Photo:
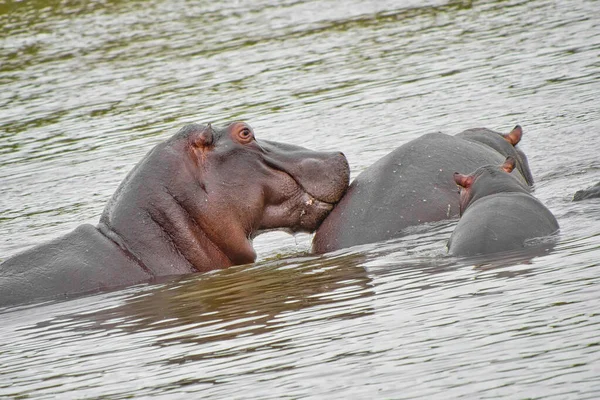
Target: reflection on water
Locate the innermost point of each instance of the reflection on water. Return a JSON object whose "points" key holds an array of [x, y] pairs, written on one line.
{"points": [[207, 318], [89, 87], [249, 301]]}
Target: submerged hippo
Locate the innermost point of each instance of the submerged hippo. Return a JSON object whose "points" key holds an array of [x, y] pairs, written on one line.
{"points": [[589, 193], [413, 185], [498, 213], [193, 203]]}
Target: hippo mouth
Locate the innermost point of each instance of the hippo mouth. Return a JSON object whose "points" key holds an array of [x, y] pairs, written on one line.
{"points": [[313, 201], [306, 211]]}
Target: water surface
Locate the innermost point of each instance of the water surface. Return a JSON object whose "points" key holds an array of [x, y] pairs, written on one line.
{"points": [[89, 88]]}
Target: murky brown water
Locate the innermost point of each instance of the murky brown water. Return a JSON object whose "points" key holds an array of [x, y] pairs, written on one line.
{"points": [[87, 88]]}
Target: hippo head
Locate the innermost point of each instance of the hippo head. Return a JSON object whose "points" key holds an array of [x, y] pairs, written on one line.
{"points": [[487, 180], [211, 191], [505, 144], [268, 185]]}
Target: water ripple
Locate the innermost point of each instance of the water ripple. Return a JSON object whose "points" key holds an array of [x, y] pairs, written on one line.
{"points": [[89, 88]]}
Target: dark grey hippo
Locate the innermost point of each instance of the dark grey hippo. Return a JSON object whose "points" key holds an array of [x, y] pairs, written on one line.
{"points": [[589, 193], [193, 203], [413, 185], [498, 213]]}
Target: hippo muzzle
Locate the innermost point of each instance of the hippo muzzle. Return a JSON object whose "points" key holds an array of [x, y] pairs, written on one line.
{"points": [[320, 179], [323, 176]]}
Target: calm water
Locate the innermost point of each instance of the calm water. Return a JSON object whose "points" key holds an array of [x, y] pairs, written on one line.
{"points": [[87, 88]]}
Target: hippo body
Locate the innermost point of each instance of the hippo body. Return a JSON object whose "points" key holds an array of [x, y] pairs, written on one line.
{"points": [[498, 213], [589, 193], [81, 261], [193, 203], [413, 185]]}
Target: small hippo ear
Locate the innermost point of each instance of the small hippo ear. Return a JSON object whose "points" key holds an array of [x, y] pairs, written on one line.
{"points": [[514, 137], [463, 180], [509, 164], [204, 138]]}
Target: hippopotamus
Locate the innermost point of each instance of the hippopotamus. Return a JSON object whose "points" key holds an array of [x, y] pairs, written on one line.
{"points": [[589, 193], [498, 213], [193, 203], [413, 185]]}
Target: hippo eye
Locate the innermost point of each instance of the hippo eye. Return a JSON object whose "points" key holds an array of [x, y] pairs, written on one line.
{"points": [[245, 135]]}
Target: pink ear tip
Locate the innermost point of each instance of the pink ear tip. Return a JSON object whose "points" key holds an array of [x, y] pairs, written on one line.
{"points": [[509, 164], [460, 179], [514, 137]]}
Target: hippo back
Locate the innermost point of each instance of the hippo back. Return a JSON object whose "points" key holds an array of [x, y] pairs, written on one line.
{"points": [[81, 261], [501, 222], [501, 144], [589, 193], [410, 186]]}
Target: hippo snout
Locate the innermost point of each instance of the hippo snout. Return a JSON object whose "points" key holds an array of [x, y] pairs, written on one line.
{"points": [[322, 175], [325, 178]]}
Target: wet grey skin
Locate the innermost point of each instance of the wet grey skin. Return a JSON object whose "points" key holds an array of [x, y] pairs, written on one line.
{"points": [[590, 193], [413, 185], [193, 203], [498, 213]]}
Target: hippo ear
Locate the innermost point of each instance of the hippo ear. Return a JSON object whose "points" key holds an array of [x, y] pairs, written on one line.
{"points": [[463, 180], [509, 164], [514, 137], [205, 137]]}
